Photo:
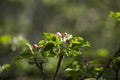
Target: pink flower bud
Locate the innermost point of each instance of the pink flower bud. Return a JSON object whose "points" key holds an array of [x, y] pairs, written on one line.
{"points": [[68, 41], [58, 34], [65, 34], [35, 46]]}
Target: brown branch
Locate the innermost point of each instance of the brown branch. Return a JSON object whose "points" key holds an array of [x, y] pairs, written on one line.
{"points": [[116, 70], [108, 64], [40, 67], [58, 66]]}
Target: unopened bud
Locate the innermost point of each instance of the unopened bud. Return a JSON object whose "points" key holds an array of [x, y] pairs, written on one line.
{"points": [[58, 34], [68, 41], [35, 46], [65, 34]]}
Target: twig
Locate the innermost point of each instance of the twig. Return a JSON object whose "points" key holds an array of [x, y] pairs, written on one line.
{"points": [[0, 78], [116, 73], [108, 64], [58, 66], [40, 67]]}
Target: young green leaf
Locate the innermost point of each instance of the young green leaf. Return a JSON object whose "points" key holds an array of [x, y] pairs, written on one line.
{"points": [[51, 37], [78, 42], [4, 67], [30, 47], [49, 46], [41, 43], [24, 55]]}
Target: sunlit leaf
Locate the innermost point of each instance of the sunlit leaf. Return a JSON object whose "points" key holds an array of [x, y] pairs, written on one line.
{"points": [[5, 66], [41, 43], [51, 37], [68, 69], [30, 47], [98, 68], [115, 15], [72, 52], [5, 39], [96, 62], [78, 42], [102, 53]]}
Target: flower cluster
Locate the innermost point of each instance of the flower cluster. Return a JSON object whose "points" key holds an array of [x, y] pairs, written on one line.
{"points": [[59, 43], [65, 37]]}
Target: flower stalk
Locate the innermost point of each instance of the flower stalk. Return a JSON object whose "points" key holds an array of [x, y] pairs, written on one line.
{"points": [[40, 67], [58, 66]]}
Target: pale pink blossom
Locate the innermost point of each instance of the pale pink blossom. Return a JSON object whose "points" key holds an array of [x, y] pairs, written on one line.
{"points": [[58, 34], [35, 46]]}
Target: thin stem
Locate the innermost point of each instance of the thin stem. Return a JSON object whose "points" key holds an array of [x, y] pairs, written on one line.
{"points": [[58, 66], [40, 67], [0, 78], [116, 73], [108, 64]]}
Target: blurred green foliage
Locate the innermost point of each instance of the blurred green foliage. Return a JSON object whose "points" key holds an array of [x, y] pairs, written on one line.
{"points": [[4, 67], [115, 15]]}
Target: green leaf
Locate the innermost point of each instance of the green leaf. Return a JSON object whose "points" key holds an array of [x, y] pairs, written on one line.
{"points": [[40, 55], [115, 15], [75, 66], [116, 62], [49, 46], [48, 36], [97, 62], [50, 53], [5, 39], [102, 52], [51, 37], [41, 43], [5, 66], [56, 49], [68, 69], [72, 52], [78, 42], [24, 55], [98, 68], [30, 47], [73, 69], [118, 58]]}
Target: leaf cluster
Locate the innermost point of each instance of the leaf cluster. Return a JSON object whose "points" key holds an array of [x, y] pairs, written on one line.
{"points": [[53, 45]]}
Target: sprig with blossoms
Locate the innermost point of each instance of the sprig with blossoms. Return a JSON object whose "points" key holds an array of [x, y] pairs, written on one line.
{"points": [[58, 45]]}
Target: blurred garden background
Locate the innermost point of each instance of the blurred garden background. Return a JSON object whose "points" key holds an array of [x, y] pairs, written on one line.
{"points": [[24, 21]]}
